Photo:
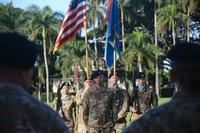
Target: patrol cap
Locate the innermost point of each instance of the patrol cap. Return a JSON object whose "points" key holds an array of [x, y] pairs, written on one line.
{"points": [[140, 75], [17, 51], [65, 84], [97, 73], [184, 53], [90, 77], [112, 73]]}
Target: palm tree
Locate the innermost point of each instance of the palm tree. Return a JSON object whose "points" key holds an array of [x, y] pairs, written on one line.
{"points": [[188, 7], [71, 54], [139, 49], [41, 24], [9, 18], [169, 17], [95, 14]]}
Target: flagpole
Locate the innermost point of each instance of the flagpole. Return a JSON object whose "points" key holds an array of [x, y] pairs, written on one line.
{"points": [[86, 51], [114, 66]]}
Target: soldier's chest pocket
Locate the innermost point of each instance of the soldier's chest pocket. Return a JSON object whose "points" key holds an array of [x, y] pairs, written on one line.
{"points": [[98, 99], [103, 99]]}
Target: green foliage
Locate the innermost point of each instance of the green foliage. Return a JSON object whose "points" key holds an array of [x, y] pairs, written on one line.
{"points": [[138, 26], [139, 49], [73, 51]]}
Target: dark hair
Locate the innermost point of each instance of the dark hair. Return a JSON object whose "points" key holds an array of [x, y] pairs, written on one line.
{"points": [[140, 75], [59, 101], [112, 74], [97, 73], [17, 51], [90, 77]]}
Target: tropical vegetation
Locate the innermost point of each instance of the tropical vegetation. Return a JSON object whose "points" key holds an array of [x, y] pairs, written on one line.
{"points": [[149, 28]]}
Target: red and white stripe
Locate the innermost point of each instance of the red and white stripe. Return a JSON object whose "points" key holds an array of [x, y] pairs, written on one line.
{"points": [[72, 22], [108, 10]]}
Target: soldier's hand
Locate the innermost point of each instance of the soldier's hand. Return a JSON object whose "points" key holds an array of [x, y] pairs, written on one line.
{"points": [[76, 126], [86, 84]]}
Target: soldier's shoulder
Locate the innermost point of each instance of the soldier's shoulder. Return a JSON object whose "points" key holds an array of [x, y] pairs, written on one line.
{"points": [[45, 114]]}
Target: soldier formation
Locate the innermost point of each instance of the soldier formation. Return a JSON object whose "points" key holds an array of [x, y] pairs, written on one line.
{"points": [[97, 108], [102, 108]]}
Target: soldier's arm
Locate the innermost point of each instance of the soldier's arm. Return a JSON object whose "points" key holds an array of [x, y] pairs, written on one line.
{"points": [[132, 102], [85, 104], [55, 104], [110, 106], [125, 105], [74, 109], [154, 99], [78, 98]]}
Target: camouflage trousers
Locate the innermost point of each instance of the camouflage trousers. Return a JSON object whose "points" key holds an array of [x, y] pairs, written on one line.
{"points": [[118, 127], [135, 116]]}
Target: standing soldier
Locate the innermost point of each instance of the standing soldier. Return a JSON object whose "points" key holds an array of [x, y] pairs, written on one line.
{"points": [[65, 105], [80, 125], [119, 104], [97, 107], [143, 97]]}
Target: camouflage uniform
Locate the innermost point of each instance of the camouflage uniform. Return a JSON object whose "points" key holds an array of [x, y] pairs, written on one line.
{"points": [[79, 112], [96, 110], [21, 113], [180, 115], [120, 108], [67, 109], [143, 102]]}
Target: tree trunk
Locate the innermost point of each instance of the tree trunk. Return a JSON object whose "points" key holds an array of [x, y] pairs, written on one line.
{"points": [[173, 33], [39, 91], [46, 64], [187, 26], [156, 44], [139, 63], [76, 75], [95, 41], [122, 21], [95, 48]]}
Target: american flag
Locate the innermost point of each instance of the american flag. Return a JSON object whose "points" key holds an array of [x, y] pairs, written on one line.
{"points": [[73, 21], [108, 11]]}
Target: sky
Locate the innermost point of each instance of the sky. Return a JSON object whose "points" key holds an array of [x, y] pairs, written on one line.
{"points": [[56, 5]]}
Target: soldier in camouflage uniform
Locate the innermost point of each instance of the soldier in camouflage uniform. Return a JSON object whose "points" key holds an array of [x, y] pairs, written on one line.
{"points": [[80, 125], [144, 97], [182, 113], [65, 105], [97, 107], [119, 103], [20, 112]]}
